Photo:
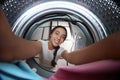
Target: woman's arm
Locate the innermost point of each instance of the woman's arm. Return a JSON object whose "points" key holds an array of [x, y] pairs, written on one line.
{"points": [[13, 47], [108, 48]]}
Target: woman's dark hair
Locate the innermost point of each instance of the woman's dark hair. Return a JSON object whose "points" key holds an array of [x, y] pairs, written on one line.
{"points": [[53, 62], [56, 28]]}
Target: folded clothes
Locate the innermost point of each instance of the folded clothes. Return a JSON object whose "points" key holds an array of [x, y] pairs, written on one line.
{"points": [[17, 71], [100, 70]]}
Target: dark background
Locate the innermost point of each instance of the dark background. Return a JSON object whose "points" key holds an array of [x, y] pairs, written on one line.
{"points": [[117, 2]]}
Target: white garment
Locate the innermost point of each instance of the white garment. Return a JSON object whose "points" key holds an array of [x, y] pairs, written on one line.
{"points": [[47, 55]]}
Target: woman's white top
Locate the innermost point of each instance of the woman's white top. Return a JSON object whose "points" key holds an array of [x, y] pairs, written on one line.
{"points": [[47, 55]]}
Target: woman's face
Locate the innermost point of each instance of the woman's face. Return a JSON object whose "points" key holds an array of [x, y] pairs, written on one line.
{"points": [[57, 36]]}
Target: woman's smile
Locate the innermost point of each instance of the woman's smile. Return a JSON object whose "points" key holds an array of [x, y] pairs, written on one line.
{"points": [[57, 42]]}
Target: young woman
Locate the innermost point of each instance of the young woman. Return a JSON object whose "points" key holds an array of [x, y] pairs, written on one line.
{"points": [[51, 50]]}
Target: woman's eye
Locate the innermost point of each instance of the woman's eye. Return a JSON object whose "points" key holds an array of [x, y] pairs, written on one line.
{"points": [[63, 37], [56, 33]]}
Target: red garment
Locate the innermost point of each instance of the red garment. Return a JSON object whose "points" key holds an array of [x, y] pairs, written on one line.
{"points": [[100, 70]]}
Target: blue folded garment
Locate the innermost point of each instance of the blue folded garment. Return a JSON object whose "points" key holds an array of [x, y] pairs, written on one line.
{"points": [[17, 71]]}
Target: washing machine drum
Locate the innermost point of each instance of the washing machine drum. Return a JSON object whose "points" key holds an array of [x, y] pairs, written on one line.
{"points": [[87, 21]]}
